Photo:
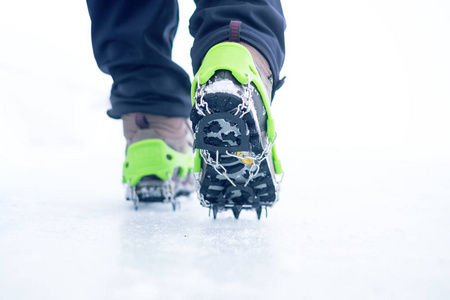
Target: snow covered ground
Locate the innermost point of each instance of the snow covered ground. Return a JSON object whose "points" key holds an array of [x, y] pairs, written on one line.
{"points": [[363, 125]]}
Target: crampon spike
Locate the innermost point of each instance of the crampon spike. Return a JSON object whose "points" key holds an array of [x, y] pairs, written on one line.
{"points": [[236, 211], [215, 210], [128, 192], [258, 212], [136, 202]]}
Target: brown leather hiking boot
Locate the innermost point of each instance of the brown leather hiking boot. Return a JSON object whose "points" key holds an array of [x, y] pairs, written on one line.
{"points": [[158, 164]]}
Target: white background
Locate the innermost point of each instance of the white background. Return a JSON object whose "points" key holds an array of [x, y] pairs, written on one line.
{"points": [[363, 133]]}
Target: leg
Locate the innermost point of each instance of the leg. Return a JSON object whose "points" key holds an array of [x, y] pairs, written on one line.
{"points": [[263, 26], [132, 41]]}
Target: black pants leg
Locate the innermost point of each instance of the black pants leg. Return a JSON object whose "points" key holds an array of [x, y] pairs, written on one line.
{"points": [[263, 26], [132, 41]]}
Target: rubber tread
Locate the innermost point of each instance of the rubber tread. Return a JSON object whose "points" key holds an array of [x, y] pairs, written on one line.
{"points": [[218, 104]]}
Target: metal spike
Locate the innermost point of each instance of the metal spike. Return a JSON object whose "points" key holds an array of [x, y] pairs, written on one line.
{"points": [[237, 211], [266, 211], [258, 212], [136, 202], [215, 210], [135, 198], [128, 192]]}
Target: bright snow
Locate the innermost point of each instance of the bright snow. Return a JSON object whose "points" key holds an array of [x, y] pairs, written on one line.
{"points": [[363, 125]]}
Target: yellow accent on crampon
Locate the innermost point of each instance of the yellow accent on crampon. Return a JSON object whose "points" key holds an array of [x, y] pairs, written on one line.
{"points": [[246, 161]]}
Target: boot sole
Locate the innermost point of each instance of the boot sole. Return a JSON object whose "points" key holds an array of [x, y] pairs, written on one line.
{"points": [[221, 132]]}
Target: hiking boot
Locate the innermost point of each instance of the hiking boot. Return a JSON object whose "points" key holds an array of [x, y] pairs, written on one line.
{"points": [[236, 162], [158, 163]]}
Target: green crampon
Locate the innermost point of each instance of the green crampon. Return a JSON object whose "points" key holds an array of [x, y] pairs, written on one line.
{"points": [[237, 59], [154, 157]]}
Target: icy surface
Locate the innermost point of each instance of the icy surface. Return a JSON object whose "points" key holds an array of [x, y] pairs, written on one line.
{"points": [[362, 131]]}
